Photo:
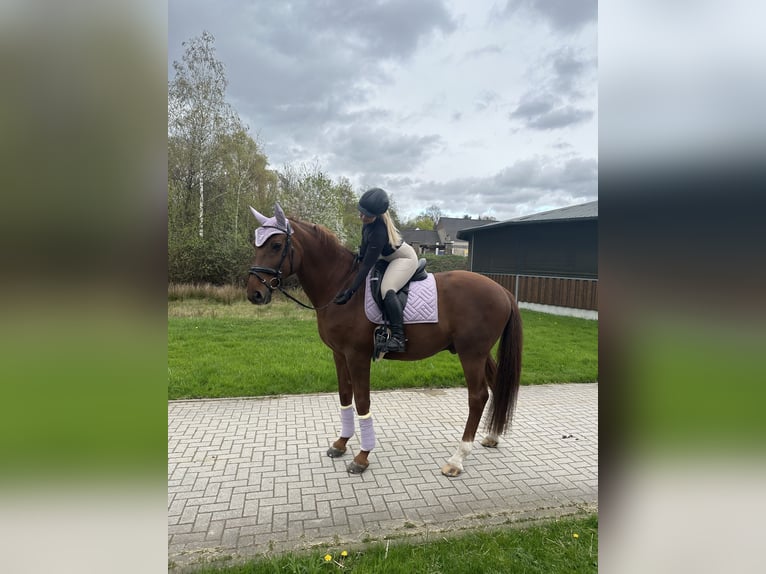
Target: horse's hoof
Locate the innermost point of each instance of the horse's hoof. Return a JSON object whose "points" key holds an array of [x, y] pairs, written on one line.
{"points": [[489, 442], [356, 468], [451, 470], [333, 452]]}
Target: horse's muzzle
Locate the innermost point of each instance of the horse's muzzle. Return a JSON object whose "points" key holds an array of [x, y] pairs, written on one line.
{"points": [[258, 298]]}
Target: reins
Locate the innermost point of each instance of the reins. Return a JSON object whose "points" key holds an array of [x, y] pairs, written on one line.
{"points": [[275, 283]]}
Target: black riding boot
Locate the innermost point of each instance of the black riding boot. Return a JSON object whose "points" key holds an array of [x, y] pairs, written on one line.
{"points": [[393, 307]]}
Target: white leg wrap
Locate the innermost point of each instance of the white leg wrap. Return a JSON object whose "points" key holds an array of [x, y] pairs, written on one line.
{"points": [[347, 421], [463, 450], [367, 432]]}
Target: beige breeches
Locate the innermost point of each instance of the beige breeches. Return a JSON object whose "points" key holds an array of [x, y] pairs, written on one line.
{"points": [[402, 263]]}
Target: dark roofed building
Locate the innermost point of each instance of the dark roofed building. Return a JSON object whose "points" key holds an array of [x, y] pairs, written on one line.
{"points": [[549, 258], [448, 228], [422, 240], [582, 211]]}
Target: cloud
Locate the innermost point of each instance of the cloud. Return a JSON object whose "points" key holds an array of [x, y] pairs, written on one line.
{"points": [[483, 51], [339, 31], [534, 105], [306, 62], [486, 99], [533, 185], [559, 118], [563, 15], [386, 29], [379, 150], [578, 175], [545, 112], [414, 97], [524, 187], [552, 104], [570, 70]]}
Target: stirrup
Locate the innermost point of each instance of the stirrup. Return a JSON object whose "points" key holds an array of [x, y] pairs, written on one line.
{"points": [[380, 340], [396, 345]]}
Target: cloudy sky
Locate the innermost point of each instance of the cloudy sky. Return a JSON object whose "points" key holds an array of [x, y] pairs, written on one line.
{"points": [[480, 108]]}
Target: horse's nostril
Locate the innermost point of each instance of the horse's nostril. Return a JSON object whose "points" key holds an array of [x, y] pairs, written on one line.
{"points": [[256, 298]]}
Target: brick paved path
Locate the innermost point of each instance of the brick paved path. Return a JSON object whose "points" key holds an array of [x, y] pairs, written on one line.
{"points": [[247, 476]]}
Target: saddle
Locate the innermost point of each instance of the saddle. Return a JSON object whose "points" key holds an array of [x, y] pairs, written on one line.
{"points": [[381, 335], [376, 276]]}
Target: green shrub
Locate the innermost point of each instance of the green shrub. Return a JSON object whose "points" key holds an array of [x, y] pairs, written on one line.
{"points": [[201, 260], [437, 263]]}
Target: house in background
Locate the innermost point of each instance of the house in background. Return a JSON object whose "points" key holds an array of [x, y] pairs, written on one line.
{"points": [[423, 240], [448, 228], [548, 258], [443, 240]]}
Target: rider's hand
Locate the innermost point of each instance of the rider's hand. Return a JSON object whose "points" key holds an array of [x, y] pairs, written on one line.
{"points": [[343, 297]]}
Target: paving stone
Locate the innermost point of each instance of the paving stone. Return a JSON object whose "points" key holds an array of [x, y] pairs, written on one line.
{"points": [[248, 476]]}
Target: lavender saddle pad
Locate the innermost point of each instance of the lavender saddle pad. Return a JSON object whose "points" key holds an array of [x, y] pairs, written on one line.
{"points": [[422, 305]]}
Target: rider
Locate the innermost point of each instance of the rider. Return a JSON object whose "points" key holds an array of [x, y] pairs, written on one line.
{"points": [[381, 240]]}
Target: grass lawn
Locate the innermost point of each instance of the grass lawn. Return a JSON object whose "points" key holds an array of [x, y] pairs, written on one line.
{"points": [[231, 349], [566, 545], [238, 349]]}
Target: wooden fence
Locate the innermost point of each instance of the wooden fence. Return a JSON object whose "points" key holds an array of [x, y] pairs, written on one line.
{"points": [[558, 291]]}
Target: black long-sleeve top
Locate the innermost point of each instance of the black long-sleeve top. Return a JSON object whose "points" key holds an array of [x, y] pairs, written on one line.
{"points": [[374, 244]]}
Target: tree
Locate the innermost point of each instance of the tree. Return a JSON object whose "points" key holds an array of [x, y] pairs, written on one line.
{"points": [[308, 193], [393, 210], [246, 181], [433, 212], [215, 170], [420, 222], [199, 119]]}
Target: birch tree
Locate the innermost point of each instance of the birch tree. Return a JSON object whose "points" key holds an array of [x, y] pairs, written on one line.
{"points": [[199, 118]]}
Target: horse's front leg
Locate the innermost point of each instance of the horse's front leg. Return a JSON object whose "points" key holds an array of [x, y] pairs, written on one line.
{"points": [[359, 371], [346, 395]]}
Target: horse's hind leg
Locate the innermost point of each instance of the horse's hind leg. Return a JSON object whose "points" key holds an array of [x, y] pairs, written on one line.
{"points": [[491, 440], [474, 369]]}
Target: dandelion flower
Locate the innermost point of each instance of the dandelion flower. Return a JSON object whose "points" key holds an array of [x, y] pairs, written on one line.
{"points": [[344, 553], [327, 557], [575, 535]]}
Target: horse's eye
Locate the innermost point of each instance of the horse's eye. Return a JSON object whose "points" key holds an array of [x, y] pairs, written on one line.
{"points": [[276, 246]]}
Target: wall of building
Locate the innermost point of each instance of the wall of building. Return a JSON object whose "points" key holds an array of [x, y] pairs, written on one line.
{"points": [[558, 249], [548, 263]]}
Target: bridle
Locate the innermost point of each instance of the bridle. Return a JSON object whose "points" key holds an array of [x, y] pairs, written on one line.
{"points": [[275, 283]]}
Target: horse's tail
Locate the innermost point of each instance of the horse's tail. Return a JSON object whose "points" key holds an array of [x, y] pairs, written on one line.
{"points": [[507, 373]]}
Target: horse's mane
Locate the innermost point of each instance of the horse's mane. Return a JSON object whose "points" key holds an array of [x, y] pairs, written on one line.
{"points": [[326, 239]]}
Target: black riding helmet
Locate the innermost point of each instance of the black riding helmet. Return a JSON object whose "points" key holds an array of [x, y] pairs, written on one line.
{"points": [[373, 202]]}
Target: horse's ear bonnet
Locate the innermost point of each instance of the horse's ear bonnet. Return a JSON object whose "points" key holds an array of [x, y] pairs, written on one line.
{"points": [[373, 202], [271, 225], [281, 219]]}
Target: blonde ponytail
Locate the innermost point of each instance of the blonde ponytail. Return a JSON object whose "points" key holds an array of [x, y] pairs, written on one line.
{"points": [[394, 237]]}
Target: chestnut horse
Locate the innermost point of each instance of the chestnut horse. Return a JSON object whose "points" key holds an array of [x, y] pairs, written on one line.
{"points": [[474, 312]]}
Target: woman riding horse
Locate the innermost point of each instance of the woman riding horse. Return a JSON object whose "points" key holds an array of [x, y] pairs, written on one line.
{"points": [[474, 313], [381, 240]]}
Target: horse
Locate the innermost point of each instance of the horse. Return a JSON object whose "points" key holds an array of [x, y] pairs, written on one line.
{"points": [[473, 313]]}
